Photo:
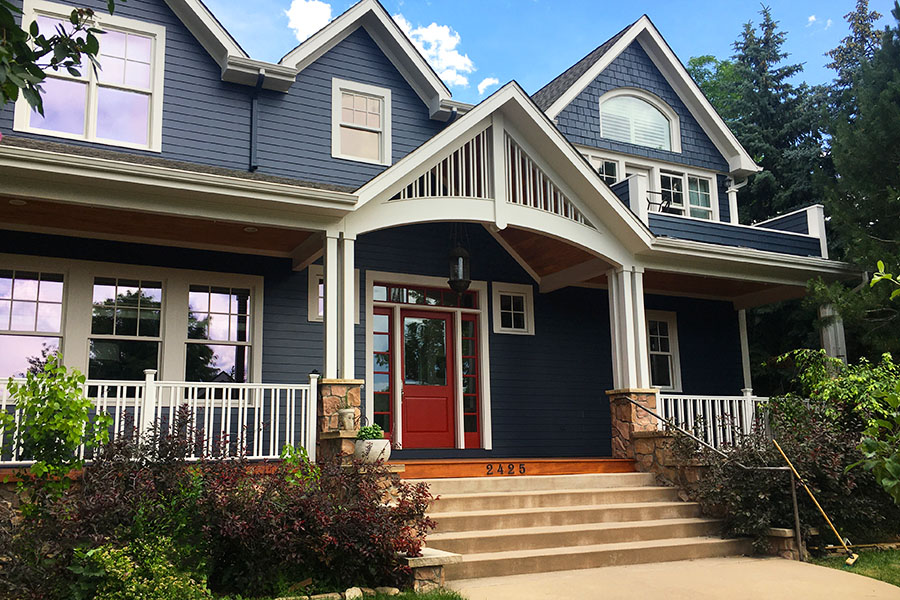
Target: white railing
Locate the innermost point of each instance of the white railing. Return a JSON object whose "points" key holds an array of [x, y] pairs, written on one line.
{"points": [[253, 419], [717, 420]]}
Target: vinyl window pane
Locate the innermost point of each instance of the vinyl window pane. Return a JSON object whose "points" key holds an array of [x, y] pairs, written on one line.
{"points": [[217, 363], [64, 106], [24, 353], [123, 116], [121, 359], [360, 143]]}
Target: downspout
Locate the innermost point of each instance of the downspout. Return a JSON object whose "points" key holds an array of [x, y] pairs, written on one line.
{"points": [[254, 122]]}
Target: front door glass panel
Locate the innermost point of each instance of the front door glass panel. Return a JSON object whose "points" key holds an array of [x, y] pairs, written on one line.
{"points": [[425, 351]]}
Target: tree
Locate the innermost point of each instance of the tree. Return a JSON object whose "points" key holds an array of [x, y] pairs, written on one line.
{"points": [[779, 124], [719, 81], [26, 55], [854, 50]]}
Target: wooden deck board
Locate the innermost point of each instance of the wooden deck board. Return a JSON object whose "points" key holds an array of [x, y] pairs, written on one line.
{"points": [[499, 467]]}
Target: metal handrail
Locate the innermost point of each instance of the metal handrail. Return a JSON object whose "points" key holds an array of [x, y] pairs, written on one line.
{"points": [[672, 425]]}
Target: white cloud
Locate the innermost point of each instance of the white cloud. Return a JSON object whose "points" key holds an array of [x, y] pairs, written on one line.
{"points": [[828, 23], [438, 44], [486, 83], [810, 20], [306, 17]]}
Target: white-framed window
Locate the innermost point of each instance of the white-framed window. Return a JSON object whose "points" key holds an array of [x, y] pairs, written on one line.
{"points": [[662, 345], [676, 186], [360, 122], [315, 297], [219, 334], [121, 103], [608, 170], [638, 117], [31, 319], [513, 308]]}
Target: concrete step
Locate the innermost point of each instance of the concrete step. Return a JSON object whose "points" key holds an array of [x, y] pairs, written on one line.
{"points": [[546, 498], [563, 515], [526, 483], [496, 564], [586, 534]]}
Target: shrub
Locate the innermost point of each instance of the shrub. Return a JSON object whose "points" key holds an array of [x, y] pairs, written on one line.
{"points": [[881, 447], [370, 432]]}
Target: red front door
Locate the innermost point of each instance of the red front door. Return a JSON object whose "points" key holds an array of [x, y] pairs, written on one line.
{"points": [[428, 391]]}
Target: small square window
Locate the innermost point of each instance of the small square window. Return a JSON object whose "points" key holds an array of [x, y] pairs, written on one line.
{"points": [[513, 308], [316, 293], [361, 122]]}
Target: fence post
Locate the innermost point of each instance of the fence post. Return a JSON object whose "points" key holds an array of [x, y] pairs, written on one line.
{"points": [[312, 416], [148, 405]]}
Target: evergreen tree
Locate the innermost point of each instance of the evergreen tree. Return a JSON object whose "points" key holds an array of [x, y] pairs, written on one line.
{"points": [[854, 50], [718, 79]]}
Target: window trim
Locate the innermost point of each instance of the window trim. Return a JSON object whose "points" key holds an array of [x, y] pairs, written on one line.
{"points": [[78, 278], [343, 85], [656, 102], [516, 289], [22, 119], [313, 274], [671, 319]]}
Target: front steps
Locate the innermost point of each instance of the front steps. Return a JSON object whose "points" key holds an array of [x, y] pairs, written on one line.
{"points": [[527, 524]]}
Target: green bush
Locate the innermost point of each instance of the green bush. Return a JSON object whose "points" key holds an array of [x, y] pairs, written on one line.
{"points": [[819, 429], [881, 447], [370, 432]]}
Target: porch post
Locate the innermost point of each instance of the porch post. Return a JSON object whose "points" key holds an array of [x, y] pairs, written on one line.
{"points": [[745, 352], [628, 326], [347, 308], [331, 313], [832, 333]]}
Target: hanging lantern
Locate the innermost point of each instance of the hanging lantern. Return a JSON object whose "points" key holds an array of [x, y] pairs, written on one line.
{"points": [[459, 269]]}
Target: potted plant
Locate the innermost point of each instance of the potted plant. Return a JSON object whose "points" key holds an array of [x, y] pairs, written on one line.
{"points": [[371, 445], [346, 414]]}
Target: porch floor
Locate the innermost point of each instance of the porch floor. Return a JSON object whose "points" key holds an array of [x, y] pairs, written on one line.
{"points": [[500, 467]]}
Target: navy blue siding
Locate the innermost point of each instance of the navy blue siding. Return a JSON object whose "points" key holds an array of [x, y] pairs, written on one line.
{"points": [[621, 191], [730, 235], [205, 120], [295, 129], [796, 222], [724, 208], [547, 390], [708, 344], [580, 120], [292, 347]]}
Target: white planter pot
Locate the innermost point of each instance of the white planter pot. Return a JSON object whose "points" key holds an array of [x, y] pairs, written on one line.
{"points": [[371, 451]]}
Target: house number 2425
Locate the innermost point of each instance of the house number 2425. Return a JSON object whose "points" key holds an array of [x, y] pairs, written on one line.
{"points": [[504, 469]]}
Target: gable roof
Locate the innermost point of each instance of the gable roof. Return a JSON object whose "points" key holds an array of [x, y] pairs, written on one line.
{"points": [[399, 49], [560, 92]]}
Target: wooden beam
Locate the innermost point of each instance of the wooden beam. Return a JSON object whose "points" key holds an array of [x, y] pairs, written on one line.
{"points": [[573, 275], [495, 233], [308, 252]]}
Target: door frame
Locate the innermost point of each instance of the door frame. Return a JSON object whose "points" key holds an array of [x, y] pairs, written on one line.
{"points": [[483, 312]]}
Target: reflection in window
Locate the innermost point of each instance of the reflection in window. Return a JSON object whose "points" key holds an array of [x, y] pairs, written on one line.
{"points": [[125, 328], [470, 380], [218, 348], [382, 381], [662, 357], [425, 351], [30, 320]]}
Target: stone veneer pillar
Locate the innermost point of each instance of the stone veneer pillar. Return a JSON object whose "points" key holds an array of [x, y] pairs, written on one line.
{"points": [[332, 393], [628, 418]]}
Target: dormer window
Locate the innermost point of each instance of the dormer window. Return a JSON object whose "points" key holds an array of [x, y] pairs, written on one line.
{"points": [[120, 103], [637, 117], [361, 122]]}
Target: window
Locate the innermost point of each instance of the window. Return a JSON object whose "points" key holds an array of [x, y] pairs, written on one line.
{"points": [[662, 344], [383, 351], [218, 346], [672, 188], [513, 308], [126, 328], [31, 307], [628, 118], [119, 104], [361, 122], [700, 204], [470, 362], [699, 198], [315, 298], [608, 170]]}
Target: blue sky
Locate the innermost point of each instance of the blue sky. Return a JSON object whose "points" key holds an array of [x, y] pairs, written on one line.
{"points": [[474, 41]]}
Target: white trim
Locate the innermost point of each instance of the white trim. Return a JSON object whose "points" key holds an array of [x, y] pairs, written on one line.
{"points": [[22, 119], [671, 319], [653, 100], [481, 287], [313, 274], [77, 300], [390, 39], [338, 86], [643, 30], [745, 349], [526, 291]]}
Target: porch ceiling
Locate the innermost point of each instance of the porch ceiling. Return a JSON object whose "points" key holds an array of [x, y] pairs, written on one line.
{"points": [[43, 216], [544, 255]]}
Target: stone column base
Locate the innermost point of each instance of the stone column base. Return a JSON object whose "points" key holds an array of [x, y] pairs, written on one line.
{"points": [[628, 418], [333, 393]]}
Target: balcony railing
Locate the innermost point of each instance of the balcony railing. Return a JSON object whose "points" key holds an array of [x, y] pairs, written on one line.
{"points": [[255, 420], [718, 420]]}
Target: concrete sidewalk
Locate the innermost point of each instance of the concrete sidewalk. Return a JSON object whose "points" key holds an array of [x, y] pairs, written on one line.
{"points": [[727, 578]]}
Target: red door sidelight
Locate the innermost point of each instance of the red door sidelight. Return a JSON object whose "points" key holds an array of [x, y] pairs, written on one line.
{"points": [[428, 390]]}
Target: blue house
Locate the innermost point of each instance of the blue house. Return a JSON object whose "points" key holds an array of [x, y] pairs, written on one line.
{"points": [[193, 225]]}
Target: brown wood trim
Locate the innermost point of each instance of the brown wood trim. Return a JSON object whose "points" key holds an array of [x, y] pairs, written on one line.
{"points": [[478, 467]]}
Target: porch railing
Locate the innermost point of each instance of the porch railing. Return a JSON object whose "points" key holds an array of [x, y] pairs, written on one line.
{"points": [[718, 420], [254, 419]]}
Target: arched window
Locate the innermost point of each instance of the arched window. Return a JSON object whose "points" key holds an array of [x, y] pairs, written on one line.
{"points": [[625, 117]]}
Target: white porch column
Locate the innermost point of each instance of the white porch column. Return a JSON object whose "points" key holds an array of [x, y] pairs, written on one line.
{"points": [[638, 196], [832, 334], [745, 352], [331, 314], [347, 291], [628, 327]]}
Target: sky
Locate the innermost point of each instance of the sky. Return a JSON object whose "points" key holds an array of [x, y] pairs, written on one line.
{"points": [[478, 45]]}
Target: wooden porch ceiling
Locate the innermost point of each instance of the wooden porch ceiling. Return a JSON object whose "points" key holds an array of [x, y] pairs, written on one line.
{"points": [[121, 225], [544, 256]]}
